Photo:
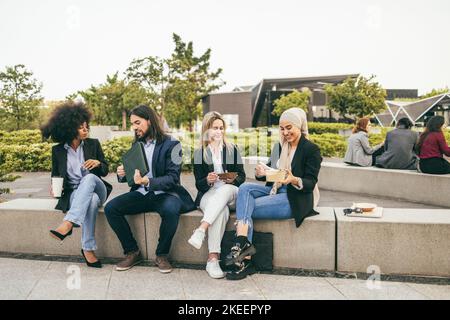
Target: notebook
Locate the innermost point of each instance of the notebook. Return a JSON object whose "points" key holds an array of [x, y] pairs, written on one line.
{"points": [[135, 159]]}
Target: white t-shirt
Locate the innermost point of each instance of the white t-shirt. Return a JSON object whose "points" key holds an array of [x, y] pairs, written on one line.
{"points": [[217, 162]]}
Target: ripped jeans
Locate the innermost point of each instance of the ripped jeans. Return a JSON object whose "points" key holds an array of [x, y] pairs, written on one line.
{"points": [[255, 202]]}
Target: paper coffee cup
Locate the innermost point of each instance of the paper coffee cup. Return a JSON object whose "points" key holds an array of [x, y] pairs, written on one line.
{"points": [[57, 186]]}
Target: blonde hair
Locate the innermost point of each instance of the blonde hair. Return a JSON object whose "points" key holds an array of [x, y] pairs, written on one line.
{"points": [[207, 123]]}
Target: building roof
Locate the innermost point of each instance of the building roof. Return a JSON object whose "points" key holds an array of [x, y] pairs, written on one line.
{"points": [[385, 119], [413, 110], [417, 109], [243, 88], [280, 84]]}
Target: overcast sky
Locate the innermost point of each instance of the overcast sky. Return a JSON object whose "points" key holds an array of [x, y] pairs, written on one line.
{"points": [[70, 45]]}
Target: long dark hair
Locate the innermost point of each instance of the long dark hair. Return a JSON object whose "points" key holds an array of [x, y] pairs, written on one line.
{"points": [[433, 125], [155, 130], [65, 121]]}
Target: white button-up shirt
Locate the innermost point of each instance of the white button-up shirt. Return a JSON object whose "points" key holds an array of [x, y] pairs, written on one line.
{"points": [[149, 149]]}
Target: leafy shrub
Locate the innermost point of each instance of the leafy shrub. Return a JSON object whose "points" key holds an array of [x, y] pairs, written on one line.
{"points": [[23, 158], [20, 137]]}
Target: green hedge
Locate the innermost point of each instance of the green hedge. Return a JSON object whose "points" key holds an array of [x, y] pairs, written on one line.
{"points": [[321, 128], [114, 150], [331, 145], [19, 150], [32, 157], [21, 137]]}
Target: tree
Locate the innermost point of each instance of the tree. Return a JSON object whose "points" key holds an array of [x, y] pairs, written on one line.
{"points": [[152, 74], [177, 84], [434, 92], [356, 96], [191, 79], [295, 99], [19, 96], [112, 100]]}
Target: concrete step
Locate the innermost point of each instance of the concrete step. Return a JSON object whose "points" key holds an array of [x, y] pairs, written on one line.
{"points": [[24, 225], [403, 242], [400, 184], [311, 247]]}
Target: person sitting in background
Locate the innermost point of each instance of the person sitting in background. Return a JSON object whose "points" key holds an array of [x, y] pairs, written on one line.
{"points": [[432, 146], [359, 152], [399, 147]]}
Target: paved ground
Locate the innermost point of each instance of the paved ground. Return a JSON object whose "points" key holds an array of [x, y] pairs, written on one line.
{"points": [[31, 279]]}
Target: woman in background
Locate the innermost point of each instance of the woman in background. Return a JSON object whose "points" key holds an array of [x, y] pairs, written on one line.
{"points": [[432, 146], [359, 152]]}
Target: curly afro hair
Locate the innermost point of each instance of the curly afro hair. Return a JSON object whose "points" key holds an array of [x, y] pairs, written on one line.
{"points": [[64, 122]]}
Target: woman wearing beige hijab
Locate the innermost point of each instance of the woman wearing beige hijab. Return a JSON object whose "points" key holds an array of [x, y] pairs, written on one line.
{"points": [[294, 197]]}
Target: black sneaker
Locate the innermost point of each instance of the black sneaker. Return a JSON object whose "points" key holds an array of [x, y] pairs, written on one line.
{"points": [[239, 252], [246, 268]]}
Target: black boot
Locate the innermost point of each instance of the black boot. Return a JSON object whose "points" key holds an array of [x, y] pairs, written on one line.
{"points": [[239, 251], [245, 269]]}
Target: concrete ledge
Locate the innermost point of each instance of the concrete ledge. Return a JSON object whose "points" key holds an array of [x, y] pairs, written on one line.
{"points": [[403, 242], [25, 224], [312, 246], [400, 184]]}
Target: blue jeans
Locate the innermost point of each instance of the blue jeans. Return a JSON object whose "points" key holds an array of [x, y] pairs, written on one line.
{"points": [[255, 202], [84, 203]]}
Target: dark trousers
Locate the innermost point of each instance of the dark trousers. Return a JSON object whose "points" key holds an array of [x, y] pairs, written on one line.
{"points": [[168, 207], [434, 166], [376, 154]]}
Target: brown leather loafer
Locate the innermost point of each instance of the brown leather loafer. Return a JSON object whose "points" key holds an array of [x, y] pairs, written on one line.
{"points": [[132, 259], [163, 264]]}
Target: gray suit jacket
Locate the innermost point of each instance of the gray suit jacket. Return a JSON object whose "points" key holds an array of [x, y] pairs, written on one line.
{"points": [[359, 151], [399, 150]]}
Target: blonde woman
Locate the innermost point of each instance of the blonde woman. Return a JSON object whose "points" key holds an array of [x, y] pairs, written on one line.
{"points": [[295, 197], [215, 196]]}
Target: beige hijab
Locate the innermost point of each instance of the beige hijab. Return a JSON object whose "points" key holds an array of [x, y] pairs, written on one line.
{"points": [[296, 117]]}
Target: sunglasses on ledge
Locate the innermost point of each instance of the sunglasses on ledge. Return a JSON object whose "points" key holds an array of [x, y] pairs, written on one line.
{"points": [[351, 210]]}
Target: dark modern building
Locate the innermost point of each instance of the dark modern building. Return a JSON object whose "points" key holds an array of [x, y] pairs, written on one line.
{"points": [[252, 106]]}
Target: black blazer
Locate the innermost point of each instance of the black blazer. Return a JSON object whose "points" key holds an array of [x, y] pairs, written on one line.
{"points": [[166, 169], [92, 150], [231, 162], [305, 165]]}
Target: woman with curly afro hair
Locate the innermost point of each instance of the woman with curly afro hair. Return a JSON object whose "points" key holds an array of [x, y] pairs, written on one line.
{"points": [[79, 160]]}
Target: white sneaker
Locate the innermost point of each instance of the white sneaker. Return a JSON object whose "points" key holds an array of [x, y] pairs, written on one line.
{"points": [[214, 270], [197, 238]]}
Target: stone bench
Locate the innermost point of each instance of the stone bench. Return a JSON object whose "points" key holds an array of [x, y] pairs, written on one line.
{"points": [[24, 225], [399, 184], [402, 242]]}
